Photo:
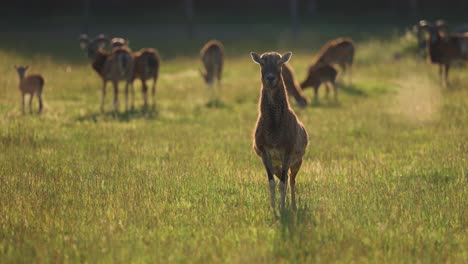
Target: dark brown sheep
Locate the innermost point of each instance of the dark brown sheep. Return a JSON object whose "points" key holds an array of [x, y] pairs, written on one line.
{"points": [[339, 51], [443, 48], [280, 139], [113, 66], [321, 74]]}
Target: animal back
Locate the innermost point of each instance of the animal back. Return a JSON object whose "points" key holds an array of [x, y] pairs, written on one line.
{"points": [[340, 51], [212, 55], [146, 64], [119, 65]]}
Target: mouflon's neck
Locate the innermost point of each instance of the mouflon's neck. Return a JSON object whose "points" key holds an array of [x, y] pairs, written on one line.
{"points": [[21, 75], [274, 97]]}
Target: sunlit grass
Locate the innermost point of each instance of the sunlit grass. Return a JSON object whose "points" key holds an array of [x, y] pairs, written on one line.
{"points": [[384, 178]]}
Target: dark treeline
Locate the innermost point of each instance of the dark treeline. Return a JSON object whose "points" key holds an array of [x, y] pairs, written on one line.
{"points": [[305, 7]]}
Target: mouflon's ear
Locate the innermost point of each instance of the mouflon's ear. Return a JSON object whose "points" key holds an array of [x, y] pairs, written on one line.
{"points": [[285, 58], [256, 58]]}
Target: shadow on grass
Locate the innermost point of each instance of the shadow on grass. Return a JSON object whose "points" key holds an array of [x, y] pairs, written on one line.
{"points": [[289, 217], [455, 84], [292, 225], [324, 103], [144, 113], [216, 103], [352, 89]]}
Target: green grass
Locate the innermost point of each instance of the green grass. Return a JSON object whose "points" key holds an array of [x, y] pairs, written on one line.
{"points": [[384, 178]]}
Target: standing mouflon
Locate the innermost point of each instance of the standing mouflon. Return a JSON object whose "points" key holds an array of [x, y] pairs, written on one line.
{"points": [[212, 56], [114, 66], [280, 139], [31, 84]]}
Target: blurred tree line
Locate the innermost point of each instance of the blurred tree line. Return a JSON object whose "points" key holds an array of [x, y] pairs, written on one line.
{"points": [[303, 7]]}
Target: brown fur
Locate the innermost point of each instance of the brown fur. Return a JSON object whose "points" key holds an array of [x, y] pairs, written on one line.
{"points": [[146, 66], [339, 51], [443, 48], [212, 56], [31, 84], [280, 139], [318, 75], [292, 86], [114, 66]]}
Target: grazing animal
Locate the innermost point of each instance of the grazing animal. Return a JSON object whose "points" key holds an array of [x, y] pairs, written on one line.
{"points": [[319, 74], [280, 139], [30, 84], [114, 66], [146, 66], [212, 56], [292, 86], [339, 51], [443, 48]]}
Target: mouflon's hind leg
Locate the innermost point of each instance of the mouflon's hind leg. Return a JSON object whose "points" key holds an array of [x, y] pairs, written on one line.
{"points": [[116, 95], [447, 68], [335, 90], [39, 96], [22, 101], [153, 93], [284, 179], [103, 99], [271, 180], [292, 182], [30, 102], [327, 87]]}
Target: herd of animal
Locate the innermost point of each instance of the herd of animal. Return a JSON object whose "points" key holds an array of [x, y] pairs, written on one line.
{"points": [[114, 61], [121, 64], [280, 139]]}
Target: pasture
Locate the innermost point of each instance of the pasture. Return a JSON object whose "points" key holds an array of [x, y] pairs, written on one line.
{"points": [[384, 177]]}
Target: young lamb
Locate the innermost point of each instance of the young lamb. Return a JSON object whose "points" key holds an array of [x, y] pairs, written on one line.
{"points": [[30, 84], [113, 66], [319, 74], [280, 139], [292, 86], [212, 56], [339, 51], [443, 48]]}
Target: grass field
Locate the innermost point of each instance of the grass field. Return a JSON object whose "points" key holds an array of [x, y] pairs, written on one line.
{"points": [[384, 177]]}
